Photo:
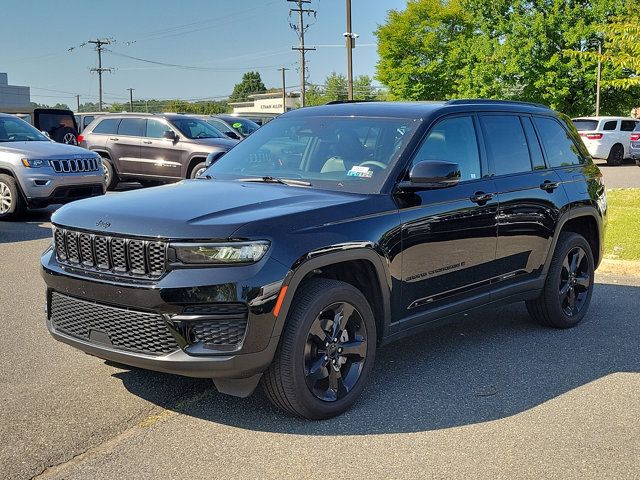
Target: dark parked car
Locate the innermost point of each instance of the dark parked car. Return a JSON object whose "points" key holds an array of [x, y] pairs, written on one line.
{"points": [[233, 127], [153, 148], [328, 232]]}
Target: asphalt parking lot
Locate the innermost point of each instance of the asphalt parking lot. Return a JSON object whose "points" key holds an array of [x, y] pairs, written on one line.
{"points": [[490, 395], [626, 175]]}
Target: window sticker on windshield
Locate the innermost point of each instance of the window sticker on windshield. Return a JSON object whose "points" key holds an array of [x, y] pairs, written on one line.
{"points": [[237, 125], [358, 171]]}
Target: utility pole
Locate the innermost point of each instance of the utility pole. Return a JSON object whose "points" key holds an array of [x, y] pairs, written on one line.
{"points": [[301, 28], [598, 78], [284, 89], [350, 36], [99, 47], [78, 102], [131, 98]]}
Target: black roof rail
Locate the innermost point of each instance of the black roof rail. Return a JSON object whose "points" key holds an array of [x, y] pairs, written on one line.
{"points": [[467, 101], [338, 102]]}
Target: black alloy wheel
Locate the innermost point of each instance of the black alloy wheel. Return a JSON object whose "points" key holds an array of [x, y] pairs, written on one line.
{"points": [[575, 280], [565, 297], [335, 351], [326, 351]]}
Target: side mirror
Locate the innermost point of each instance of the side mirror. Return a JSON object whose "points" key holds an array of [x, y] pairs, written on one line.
{"points": [[432, 174], [170, 135], [233, 135]]}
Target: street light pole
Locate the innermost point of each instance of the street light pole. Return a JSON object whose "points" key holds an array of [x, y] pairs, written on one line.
{"points": [[284, 89], [349, 35], [598, 78]]}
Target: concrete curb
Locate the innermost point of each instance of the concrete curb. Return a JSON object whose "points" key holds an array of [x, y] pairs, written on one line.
{"points": [[620, 267]]}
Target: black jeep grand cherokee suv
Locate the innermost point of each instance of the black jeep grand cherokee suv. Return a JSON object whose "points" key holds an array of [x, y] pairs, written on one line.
{"points": [[326, 233]]}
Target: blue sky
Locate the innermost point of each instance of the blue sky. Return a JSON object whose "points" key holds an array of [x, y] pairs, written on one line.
{"points": [[223, 38]]}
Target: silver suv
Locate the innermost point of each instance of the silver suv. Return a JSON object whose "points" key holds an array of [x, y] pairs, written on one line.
{"points": [[36, 172]]}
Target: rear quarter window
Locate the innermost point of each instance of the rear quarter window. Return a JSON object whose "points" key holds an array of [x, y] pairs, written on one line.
{"points": [[628, 125], [559, 146]]}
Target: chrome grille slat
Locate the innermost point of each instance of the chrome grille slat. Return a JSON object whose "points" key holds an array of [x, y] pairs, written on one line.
{"points": [[75, 165], [116, 255]]}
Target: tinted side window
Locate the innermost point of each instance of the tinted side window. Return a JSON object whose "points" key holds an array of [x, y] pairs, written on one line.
{"points": [[558, 144], [107, 126], [87, 120], [611, 125], [627, 125], [155, 129], [537, 159], [132, 126], [506, 144], [453, 140]]}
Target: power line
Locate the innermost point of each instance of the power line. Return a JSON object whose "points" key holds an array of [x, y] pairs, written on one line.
{"points": [[300, 29]]}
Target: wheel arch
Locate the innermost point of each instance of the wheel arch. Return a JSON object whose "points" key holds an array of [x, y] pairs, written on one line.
{"points": [[12, 174], [584, 221], [195, 159], [361, 267]]}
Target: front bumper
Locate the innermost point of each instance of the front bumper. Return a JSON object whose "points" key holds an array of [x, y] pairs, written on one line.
{"points": [[257, 286], [43, 186]]}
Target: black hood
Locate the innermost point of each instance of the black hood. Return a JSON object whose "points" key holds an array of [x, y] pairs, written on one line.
{"points": [[202, 209]]}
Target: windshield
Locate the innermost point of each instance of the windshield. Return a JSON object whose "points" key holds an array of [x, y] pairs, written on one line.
{"points": [[244, 126], [585, 125], [352, 154], [12, 129], [195, 128]]}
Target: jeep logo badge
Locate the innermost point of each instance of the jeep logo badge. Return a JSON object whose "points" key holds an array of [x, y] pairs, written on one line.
{"points": [[103, 224]]}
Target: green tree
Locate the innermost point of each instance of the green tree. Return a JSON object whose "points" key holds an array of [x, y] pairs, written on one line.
{"points": [[363, 88], [621, 49], [251, 83], [435, 50]]}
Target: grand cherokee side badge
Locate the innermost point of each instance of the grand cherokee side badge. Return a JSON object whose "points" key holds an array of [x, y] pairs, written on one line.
{"points": [[103, 224]]}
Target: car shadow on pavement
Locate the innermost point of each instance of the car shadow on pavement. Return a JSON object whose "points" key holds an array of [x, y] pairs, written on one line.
{"points": [[32, 226], [489, 365]]}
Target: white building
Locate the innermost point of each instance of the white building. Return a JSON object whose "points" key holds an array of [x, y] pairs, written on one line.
{"points": [[13, 98], [267, 105]]}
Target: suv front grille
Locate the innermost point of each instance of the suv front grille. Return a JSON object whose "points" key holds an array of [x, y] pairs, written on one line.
{"points": [[120, 328], [76, 165], [119, 256]]}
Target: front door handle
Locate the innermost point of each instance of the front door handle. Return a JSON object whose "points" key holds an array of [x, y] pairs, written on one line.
{"points": [[549, 186], [115, 139], [481, 198], [148, 142]]}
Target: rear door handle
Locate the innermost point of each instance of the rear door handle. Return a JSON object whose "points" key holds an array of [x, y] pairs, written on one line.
{"points": [[549, 186], [481, 197], [148, 142], [115, 139]]}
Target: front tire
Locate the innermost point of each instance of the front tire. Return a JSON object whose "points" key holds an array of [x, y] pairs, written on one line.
{"points": [[12, 205], [110, 175], [326, 351], [198, 170], [568, 288]]}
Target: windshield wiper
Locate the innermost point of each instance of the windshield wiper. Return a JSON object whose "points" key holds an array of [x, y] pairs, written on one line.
{"points": [[283, 181]]}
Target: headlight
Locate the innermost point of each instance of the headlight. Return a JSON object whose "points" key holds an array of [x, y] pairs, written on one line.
{"points": [[220, 253], [34, 163]]}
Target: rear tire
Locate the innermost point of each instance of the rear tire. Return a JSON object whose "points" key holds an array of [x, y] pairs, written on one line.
{"points": [[313, 375], [111, 177], [616, 155], [12, 205], [567, 291]]}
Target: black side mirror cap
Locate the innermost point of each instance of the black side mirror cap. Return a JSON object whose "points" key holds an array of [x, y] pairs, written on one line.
{"points": [[170, 135], [432, 174]]}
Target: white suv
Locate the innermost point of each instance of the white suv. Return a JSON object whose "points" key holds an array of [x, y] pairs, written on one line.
{"points": [[607, 137]]}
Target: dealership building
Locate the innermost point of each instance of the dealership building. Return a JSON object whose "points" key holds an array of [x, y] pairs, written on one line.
{"points": [[13, 98], [267, 105]]}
